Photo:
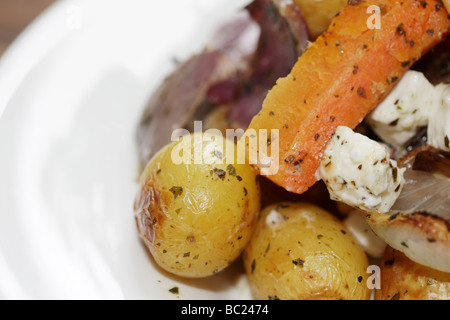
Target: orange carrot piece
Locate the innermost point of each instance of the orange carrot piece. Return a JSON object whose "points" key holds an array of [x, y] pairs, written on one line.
{"points": [[341, 77]]}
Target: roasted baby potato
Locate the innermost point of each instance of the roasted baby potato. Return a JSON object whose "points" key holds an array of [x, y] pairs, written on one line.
{"points": [[318, 14], [197, 218], [301, 252], [404, 279]]}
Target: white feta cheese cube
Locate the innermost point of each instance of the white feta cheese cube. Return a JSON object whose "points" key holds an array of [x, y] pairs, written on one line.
{"points": [[404, 111], [359, 172]]}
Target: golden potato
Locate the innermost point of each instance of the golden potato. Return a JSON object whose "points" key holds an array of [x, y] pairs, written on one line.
{"points": [[197, 218], [301, 252], [404, 279], [319, 13]]}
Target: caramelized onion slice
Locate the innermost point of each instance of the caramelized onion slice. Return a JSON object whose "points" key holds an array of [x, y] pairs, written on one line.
{"points": [[419, 223], [427, 186], [422, 237]]}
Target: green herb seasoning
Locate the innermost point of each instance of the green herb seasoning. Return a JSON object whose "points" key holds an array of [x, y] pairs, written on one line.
{"points": [[220, 173], [298, 262], [174, 290], [231, 170], [177, 191]]}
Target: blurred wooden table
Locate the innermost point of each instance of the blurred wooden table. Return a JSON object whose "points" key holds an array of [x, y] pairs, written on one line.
{"points": [[15, 15]]}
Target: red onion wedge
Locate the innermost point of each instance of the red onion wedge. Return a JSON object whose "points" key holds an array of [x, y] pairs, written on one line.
{"points": [[233, 74]]}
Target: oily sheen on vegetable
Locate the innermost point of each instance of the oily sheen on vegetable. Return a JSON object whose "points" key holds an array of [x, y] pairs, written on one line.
{"points": [[196, 219], [341, 78], [302, 252]]}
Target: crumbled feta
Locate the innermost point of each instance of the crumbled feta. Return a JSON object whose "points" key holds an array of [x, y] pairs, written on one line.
{"points": [[439, 119], [399, 117], [359, 172]]}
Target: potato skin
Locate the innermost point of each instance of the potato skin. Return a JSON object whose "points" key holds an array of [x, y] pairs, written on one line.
{"points": [[404, 279], [301, 252], [196, 218], [318, 14]]}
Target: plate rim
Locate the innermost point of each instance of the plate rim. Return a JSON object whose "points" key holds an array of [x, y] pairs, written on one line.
{"points": [[16, 62]]}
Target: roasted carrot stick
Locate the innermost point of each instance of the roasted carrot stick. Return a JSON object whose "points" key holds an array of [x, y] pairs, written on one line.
{"points": [[341, 77]]}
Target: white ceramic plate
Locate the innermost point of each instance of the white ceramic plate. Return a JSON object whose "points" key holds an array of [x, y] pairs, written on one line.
{"points": [[72, 89]]}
